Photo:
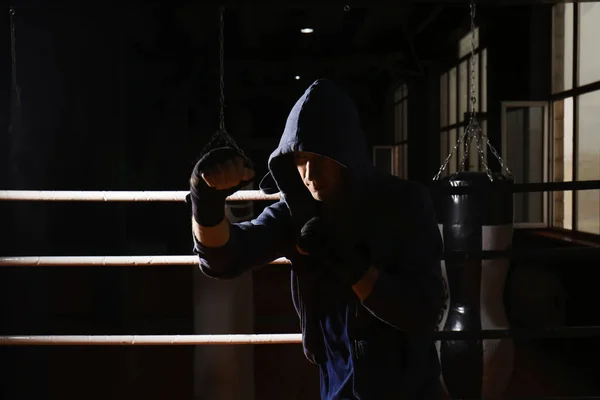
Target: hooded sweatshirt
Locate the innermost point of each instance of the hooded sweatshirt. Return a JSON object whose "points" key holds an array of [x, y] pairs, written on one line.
{"points": [[380, 347]]}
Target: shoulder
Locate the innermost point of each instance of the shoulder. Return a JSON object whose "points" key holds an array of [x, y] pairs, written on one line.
{"points": [[278, 210]]}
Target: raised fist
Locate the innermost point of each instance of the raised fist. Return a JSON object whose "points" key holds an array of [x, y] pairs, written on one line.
{"points": [[218, 174], [222, 169]]}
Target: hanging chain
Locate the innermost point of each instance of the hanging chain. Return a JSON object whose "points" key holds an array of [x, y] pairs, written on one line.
{"points": [[473, 129], [221, 68], [221, 137], [473, 99]]}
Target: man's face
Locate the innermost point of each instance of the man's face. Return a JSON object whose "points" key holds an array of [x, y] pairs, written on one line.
{"points": [[322, 176]]}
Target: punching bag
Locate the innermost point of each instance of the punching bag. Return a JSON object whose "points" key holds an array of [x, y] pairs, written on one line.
{"points": [[480, 219]]}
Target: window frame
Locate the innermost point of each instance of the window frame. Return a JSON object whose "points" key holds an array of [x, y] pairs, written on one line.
{"points": [[547, 159], [575, 92], [461, 121], [391, 150], [399, 155]]}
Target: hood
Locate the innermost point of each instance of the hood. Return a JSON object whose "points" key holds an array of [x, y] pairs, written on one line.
{"points": [[324, 121]]}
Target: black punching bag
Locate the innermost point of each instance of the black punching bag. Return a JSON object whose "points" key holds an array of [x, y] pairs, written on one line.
{"points": [[480, 219]]}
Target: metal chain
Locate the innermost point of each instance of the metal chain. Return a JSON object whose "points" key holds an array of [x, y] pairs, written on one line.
{"points": [[473, 124], [480, 148], [221, 137], [469, 135], [473, 98], [447, 160], [505, 167], [473, 129]]}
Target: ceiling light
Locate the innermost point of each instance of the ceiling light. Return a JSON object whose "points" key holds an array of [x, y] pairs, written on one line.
{"points": [[307, 30], [297, 77]]}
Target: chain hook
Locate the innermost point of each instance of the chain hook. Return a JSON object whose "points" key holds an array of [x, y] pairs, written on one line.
{"points": [[221, 138], [473, 129]]}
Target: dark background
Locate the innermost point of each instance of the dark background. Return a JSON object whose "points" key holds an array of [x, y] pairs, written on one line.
{"points": [[124, 96]]}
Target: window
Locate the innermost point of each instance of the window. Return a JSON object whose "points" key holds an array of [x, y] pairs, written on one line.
{"points": [[589, 31], [588, 161], [562, 74], [455, 86], [524, 149], [393, 159], [575, 105], [401, 132], [576, 75]]}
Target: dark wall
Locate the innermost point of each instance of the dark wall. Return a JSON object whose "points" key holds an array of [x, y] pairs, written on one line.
{"points": [[519, 41], [577, 300], [423, 124], [5, 72], [79, 131]]}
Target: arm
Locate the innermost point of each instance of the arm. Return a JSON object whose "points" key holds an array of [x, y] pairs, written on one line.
{"points": [[228, 250], [409, 294], [211, 236]]}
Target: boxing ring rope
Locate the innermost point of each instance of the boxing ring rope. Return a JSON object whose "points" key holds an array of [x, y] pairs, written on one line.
{"points": [[106, 261], [147, 340], [241, 195], [250, 195], [572, 253], [140, 196], [283, 338]]}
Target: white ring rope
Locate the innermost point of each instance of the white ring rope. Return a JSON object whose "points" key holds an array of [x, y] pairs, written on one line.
{"points": [[65, 195], [136, 340], [33, 195], [103, 261]]}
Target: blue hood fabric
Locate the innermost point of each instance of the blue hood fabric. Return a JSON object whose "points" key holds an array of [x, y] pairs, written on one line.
{"points": [[380, 348], [323, 121]]}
